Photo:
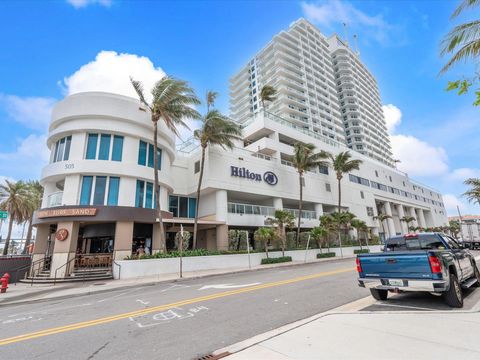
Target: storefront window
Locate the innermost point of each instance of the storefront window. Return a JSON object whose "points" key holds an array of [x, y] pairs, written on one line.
{"points": [[192, 207]]}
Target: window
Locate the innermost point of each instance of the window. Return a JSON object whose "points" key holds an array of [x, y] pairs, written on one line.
{"points": [[99, 193], [91, 146], [328, 187], [323, 169], [86, 190], [104, 149], [376, 173], [390, 178], [145, 155], [113, 187], [62, 149], [140, 194], [192, 207], [370, 211], [362, 195], [182, 206], [197, 167], [117, 148]]}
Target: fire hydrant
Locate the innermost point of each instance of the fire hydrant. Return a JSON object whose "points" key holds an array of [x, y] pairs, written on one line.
{"points": [[4, 281]]}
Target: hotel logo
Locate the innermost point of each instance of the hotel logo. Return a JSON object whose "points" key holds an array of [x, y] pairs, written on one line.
{"points": [[269, 177]]}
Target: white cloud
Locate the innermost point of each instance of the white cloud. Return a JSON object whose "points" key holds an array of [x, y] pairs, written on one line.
{"points": [[451, 202], [417, 157], [461, 174], [393, 117], [77, 4], [111, 71], [32, 112], [331, 12], [27, 160]]}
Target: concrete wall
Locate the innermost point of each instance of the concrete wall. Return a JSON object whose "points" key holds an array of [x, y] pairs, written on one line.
{"points": [[140, 268]]}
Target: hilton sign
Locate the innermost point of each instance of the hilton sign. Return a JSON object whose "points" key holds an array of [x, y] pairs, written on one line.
{"points": [[269, 177]]}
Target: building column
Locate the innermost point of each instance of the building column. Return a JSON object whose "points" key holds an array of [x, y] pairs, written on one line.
{"points": [[64, 251], [413, 214], [41, 242], [221, 214], [318, 210], [278, 203], [421, 219], [390, 223], [123, 240], [401, 214], [164, 198]]}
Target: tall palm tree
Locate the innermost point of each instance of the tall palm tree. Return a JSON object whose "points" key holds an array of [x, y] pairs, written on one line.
{"points": [[304, 159], [283, 220], [408, 220], [14, 203], [328, 222], [342, 220], [382, 217], [172, 101], [463, 41], [268, 93], [216, 129], [33, 203], [210, 99], [473, 194]]}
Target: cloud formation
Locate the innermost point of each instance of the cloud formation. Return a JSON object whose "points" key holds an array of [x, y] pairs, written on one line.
{"points": [[333, 12], [393, 117], [111, 71], [77, 4], [32, 112]]}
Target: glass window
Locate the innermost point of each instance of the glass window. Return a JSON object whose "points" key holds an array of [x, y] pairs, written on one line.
{"points": [[231, 208], [197, 167], [240, 209], [113, 191], [150, 155], [323, 169], [104, 150], [192, 207], [159, 154], [328, 188], [68, 142], [173, 205], [99, 193], [86, 190], [149, 196], [248, 209], [142, 153], [60, 150], [139, 193], [56, 152], [91, 146], [117, 148], [183, 207]]}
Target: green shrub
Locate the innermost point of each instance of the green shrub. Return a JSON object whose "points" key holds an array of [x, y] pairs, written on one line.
{"points": [[276, 260], [326, 255], [362, 251]]}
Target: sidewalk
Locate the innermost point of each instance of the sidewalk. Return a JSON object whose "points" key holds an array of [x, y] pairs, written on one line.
{"points": [[26, 293]]}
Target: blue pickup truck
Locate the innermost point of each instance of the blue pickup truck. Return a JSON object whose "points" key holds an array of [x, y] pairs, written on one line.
{"points": [[431, 262]]}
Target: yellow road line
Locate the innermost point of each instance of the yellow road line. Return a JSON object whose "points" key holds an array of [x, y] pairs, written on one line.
{"points": [[104, 320]]}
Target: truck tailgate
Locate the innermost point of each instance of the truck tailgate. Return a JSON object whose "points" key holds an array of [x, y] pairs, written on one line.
{"points": [[404, 265]]}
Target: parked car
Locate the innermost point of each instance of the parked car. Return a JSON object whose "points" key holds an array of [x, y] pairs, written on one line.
{"points": [[431, 262]]}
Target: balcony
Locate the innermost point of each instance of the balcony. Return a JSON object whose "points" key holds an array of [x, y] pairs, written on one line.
{"points": [[55, 199]]}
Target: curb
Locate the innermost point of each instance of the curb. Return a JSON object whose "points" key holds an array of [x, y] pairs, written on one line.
{"points": [[12, 300]]}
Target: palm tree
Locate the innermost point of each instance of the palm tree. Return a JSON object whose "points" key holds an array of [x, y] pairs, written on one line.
{"points": [[267, 93], [264, 234], [172, 101], [14, 203], [342, 219], [216, 129], [454, 227], [360, 226], [328, 222], [408, 220], [319, 234], [382, 217], [304, 159], [473, 194], [463, 41], [210, 99], [283, 220], [33, 203]]}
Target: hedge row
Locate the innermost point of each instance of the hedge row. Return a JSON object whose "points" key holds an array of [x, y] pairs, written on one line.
{"points": [[362, 251], [276, 260], [325, 255]]}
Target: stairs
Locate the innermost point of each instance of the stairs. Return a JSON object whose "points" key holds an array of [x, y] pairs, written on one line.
{"points": [[78, 275]]}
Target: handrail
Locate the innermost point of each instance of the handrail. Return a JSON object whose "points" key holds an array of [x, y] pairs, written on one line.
{"points": [[67, 268], [41, 265], [24, 267]]}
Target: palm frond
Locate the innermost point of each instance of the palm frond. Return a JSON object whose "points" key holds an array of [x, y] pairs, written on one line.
{"points": [[137, 85], [464, 5]]}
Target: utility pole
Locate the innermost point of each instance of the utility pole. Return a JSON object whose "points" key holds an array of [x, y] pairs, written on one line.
{"points": [[460, 218]]}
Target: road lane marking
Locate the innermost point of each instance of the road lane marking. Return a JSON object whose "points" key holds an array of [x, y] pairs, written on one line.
{"points": [[159, 308], [226, 286]]}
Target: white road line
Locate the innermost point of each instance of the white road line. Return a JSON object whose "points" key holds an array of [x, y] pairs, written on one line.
{"points": [[404, 306]]}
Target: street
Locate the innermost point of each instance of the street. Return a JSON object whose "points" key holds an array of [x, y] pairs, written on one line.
{"points": [[178, 320]]}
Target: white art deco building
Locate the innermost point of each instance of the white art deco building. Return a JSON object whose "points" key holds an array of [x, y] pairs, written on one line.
{"points": [[99, 194]]}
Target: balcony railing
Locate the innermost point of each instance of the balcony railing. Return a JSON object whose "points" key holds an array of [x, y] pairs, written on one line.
{"points": [[249, 209], [55, 199], [306, 214]]}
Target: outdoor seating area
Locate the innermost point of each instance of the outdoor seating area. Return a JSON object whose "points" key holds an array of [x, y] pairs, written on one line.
{"points": [[93, 260]]}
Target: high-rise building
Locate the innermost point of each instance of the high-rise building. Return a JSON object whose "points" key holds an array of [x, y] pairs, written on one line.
{"points": [[322, 87]]}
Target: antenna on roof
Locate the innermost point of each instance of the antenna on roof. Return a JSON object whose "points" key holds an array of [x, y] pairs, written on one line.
{"points": [[345, 29], [355, 39]]}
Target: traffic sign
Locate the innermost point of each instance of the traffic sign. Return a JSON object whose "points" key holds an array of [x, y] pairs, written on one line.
{"points": [[3, 214]]}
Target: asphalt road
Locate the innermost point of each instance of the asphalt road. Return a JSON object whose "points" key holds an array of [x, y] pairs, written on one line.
{"points": [[178, 320]]}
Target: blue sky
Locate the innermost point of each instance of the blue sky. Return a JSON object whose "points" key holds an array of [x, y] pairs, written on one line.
{"points": [[53, 48]]}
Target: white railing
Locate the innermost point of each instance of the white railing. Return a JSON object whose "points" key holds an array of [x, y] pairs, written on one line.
{"points": [[306, 214], [249, 209], [55, 199]]}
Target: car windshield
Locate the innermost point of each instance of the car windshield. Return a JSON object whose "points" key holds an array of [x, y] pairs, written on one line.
{"points": [[421, 242]]}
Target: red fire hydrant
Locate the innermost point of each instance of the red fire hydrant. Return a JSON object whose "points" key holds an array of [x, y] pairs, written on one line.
{"points": [[4, 281]]}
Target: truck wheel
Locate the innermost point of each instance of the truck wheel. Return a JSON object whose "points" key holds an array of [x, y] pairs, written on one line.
{"points": [[379, 294], [454, 297], [476, 275]]}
